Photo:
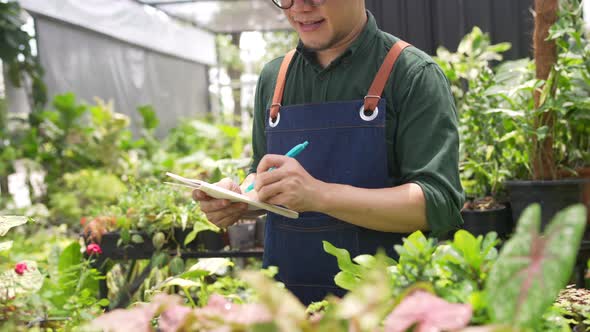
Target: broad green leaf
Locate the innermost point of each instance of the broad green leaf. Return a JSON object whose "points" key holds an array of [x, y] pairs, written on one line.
{"points": [[136, 238], [192, 275], [212, 265], [184, 283], [7, 222], [365, 260], [197, 228], [416, 248], [346, 280], [532, 268], [103, 302], [70, 256], [343, 258], [469, 247], [150, 120]]}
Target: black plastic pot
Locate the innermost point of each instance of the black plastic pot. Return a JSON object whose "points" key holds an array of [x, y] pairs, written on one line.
{"points": [[242, 236], [110, 248], [205, 240], [481, 222], [554, 195]]}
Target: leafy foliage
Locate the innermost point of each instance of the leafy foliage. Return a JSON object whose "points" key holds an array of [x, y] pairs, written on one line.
{"points": [[16, 52], [494, 106], [533, 268]]}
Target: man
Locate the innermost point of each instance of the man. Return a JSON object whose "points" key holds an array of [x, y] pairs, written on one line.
{"points": [[382, 159]]}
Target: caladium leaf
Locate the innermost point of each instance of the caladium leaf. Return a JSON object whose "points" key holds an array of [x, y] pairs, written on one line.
{"points": [[428, 313], [8, 222], [138, 318], [532, 268], [13, 284], [491, 328], [222, 315], [282, 304]]}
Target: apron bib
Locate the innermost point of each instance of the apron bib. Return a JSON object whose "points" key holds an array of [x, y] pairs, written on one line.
{"points": [[347, 145]]}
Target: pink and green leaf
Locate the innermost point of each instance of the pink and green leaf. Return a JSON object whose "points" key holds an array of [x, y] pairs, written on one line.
{"points": [[533, 267]]}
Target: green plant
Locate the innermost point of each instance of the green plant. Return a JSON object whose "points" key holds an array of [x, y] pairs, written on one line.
{"points": [[16, 53], [84, 193], [152, 207], [533, 267], [506, 285], [71, 290], [57, 290], [473, 57], [566, 96], [493, 104]]}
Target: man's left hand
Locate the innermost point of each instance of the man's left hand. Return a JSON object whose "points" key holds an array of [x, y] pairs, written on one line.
{"points": [[288, 185]]}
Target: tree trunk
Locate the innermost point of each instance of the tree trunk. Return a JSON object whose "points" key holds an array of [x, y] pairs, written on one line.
{"points": [[235, 75], [545, 57]]}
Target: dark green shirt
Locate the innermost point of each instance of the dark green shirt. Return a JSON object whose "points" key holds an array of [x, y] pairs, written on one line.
{"points": [[421, 121]]}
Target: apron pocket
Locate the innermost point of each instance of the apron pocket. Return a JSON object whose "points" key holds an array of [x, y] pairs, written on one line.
{"points": [[296, 248]]}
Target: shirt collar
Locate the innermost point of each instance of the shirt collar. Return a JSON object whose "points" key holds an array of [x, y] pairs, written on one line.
{"points": [[369, 31]]}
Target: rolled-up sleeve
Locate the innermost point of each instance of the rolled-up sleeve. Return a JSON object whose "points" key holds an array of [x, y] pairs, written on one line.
{"points": [[427, 145]]}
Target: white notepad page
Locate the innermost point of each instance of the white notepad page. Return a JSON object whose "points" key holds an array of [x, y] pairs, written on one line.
{"points": [[222, 193]]}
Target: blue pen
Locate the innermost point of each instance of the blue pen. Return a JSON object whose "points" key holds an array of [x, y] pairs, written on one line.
{"points": [[292, 153]]}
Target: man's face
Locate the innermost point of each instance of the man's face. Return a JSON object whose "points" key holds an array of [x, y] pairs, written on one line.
{"points": [[324, 26]]}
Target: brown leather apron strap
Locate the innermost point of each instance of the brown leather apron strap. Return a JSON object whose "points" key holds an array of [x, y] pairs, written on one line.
{"points": [[280, 86], [375, 91], [374, 95]]}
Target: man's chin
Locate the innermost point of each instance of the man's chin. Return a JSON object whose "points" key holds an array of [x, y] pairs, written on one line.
{"points": [[315, 46]]}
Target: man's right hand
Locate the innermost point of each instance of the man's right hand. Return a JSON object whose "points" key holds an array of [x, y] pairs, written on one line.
{"points": [[221, 212]]}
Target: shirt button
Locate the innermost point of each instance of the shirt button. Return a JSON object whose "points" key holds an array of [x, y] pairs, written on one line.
{"points": [[322, 77]]}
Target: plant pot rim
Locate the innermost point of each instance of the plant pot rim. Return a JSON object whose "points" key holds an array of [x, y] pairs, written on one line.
{"points": [[526, 183], [503, 207]]}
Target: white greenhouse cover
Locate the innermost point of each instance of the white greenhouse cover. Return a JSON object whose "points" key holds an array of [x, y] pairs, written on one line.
{"points": [[131, 22]]}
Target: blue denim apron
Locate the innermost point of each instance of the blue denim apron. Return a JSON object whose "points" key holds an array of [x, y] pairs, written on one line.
{"points": [[347, 146]]}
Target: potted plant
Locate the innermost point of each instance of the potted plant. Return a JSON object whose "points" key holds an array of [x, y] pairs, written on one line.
{"points": [[480, 98], [557, 168], [149, 217]]}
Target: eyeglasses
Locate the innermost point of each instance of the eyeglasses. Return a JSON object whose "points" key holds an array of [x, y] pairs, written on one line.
{"points": [[286, 4]]}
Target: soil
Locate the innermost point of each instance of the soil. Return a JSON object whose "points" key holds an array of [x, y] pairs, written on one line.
{"points": [[572, 295], [482, 204]]}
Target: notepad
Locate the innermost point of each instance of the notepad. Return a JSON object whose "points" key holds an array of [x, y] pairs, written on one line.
{"points": [[222, 193]]}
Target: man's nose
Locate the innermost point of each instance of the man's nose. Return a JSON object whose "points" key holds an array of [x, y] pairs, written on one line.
{"points": [[302, 5]]}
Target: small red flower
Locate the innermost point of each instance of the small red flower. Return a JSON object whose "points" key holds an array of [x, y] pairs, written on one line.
{"points": [[20, 268], [93, 248], [83, 221]]}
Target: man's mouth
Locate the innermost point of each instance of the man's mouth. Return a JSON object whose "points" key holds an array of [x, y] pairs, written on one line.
{"points": [[309, 25]]}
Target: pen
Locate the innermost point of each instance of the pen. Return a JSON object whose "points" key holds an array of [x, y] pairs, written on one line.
{"points": [[292, 153]]}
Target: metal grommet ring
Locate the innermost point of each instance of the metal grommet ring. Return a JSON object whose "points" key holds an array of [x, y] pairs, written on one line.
{"points": [[276, 122], [370, 117]]}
